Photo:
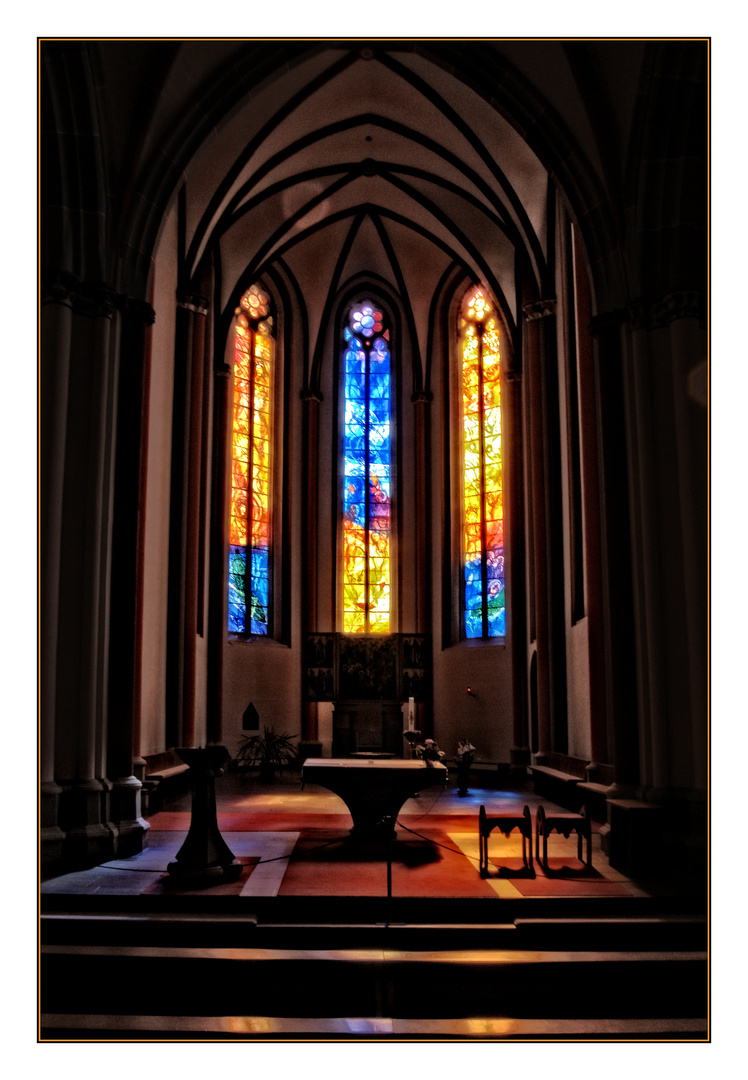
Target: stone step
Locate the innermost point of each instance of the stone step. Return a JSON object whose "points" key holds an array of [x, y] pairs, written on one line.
{"points": [[403, 983], [258, 1028]]}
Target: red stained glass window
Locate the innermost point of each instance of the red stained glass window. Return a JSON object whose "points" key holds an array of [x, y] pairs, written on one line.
{"points": [[483, 600]]}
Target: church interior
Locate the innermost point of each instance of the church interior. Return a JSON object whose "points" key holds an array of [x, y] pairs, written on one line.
{"points": [[373, 473]]}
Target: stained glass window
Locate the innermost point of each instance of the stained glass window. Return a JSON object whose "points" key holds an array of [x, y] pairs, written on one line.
{"points": [[482, 495], [367, 384], [249, 540]]}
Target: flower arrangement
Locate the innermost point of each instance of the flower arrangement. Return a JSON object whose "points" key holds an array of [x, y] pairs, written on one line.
{"points": [[427, 750], [465, 758]]}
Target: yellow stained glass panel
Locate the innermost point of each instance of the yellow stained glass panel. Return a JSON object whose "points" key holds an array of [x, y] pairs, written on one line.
{"points": [[482, 502], [251, 435]]}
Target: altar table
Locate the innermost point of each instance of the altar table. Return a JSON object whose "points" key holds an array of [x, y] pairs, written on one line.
{"points": [[373, 789]]}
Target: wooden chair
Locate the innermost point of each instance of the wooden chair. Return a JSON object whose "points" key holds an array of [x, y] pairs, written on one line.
{"points": [[505, 823], [564, 824]]}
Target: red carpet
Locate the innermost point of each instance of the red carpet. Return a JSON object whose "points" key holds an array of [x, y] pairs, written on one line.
{"points": [[325, 861], [176, 820], [419, 868]]}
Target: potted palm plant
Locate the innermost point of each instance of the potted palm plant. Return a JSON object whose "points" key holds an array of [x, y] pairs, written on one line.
{"points": [[269, 751]]}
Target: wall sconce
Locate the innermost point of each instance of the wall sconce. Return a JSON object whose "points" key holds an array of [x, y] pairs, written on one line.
{"points": [[471, 692]]}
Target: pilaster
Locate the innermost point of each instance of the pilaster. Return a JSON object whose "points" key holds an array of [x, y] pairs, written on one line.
{"points": [[217, 607], [422, 427], [55, 337], [311, 400], [514, 499], [616, 571], [547, 537], [81, 657], [185, 582], [123, 740]]}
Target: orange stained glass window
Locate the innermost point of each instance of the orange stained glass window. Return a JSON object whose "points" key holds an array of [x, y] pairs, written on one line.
{"points": [[366, 477], [484, 608], [249, 530]]}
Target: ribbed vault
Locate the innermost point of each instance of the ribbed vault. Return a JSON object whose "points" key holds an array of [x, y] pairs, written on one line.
{"points": [[350, 162]]}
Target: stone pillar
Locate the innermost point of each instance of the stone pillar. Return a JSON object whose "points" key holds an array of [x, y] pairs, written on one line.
{"points": [[126, 598], [589, 421], [184, 537], [615, 553], [422, 428], [514, 503], [309, 744], [198, 309], [547, 533], [218, 604], [669, 509], [56, 326], [85, 564]]}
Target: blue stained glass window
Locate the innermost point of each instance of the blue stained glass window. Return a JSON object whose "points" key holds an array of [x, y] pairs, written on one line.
{"points": [[482, 481], [366, 472]]}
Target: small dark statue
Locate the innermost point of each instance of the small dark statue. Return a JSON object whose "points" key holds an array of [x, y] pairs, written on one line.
{"points": [[465, 758], [269, 751]]}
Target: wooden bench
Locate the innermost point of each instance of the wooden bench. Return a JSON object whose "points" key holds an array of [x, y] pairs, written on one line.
{"points": [[595, 788], [505, 823], [564, 824], [556, 777], [163, 772]]}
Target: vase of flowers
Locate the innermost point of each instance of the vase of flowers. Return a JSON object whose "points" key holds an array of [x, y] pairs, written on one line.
{"points": [[427, 751], [465, 758]]}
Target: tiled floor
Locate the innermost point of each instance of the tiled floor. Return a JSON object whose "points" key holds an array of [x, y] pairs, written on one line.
{"points": [[240, 795], [299, 815]]}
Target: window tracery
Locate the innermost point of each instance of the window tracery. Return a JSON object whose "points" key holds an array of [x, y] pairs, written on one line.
{"points": [[251, 473], [366, 471], [482, 504]]}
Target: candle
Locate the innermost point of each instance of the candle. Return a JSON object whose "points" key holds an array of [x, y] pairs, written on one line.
{"points": [[411, 714]]}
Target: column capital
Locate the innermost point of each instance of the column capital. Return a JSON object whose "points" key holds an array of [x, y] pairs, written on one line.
{"points": [[311, 395], [58, 287], [421, 397], [95, 301], [656, 314], [141, 309], [539, 309], [193, 302], [607, 320]]}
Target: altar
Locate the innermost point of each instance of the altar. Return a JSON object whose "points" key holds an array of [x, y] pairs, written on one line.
{"points": [[373, 789]]}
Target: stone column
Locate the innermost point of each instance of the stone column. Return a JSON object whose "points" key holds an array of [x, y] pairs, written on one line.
{"points": [[185, 534], [309, 744], [516, 586], [218, 565], [669, 508], [547, 538], [615, 551], [421, 401], [126, 632], [589, 420], [85, 562], [56, 327], [422, 428]]}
